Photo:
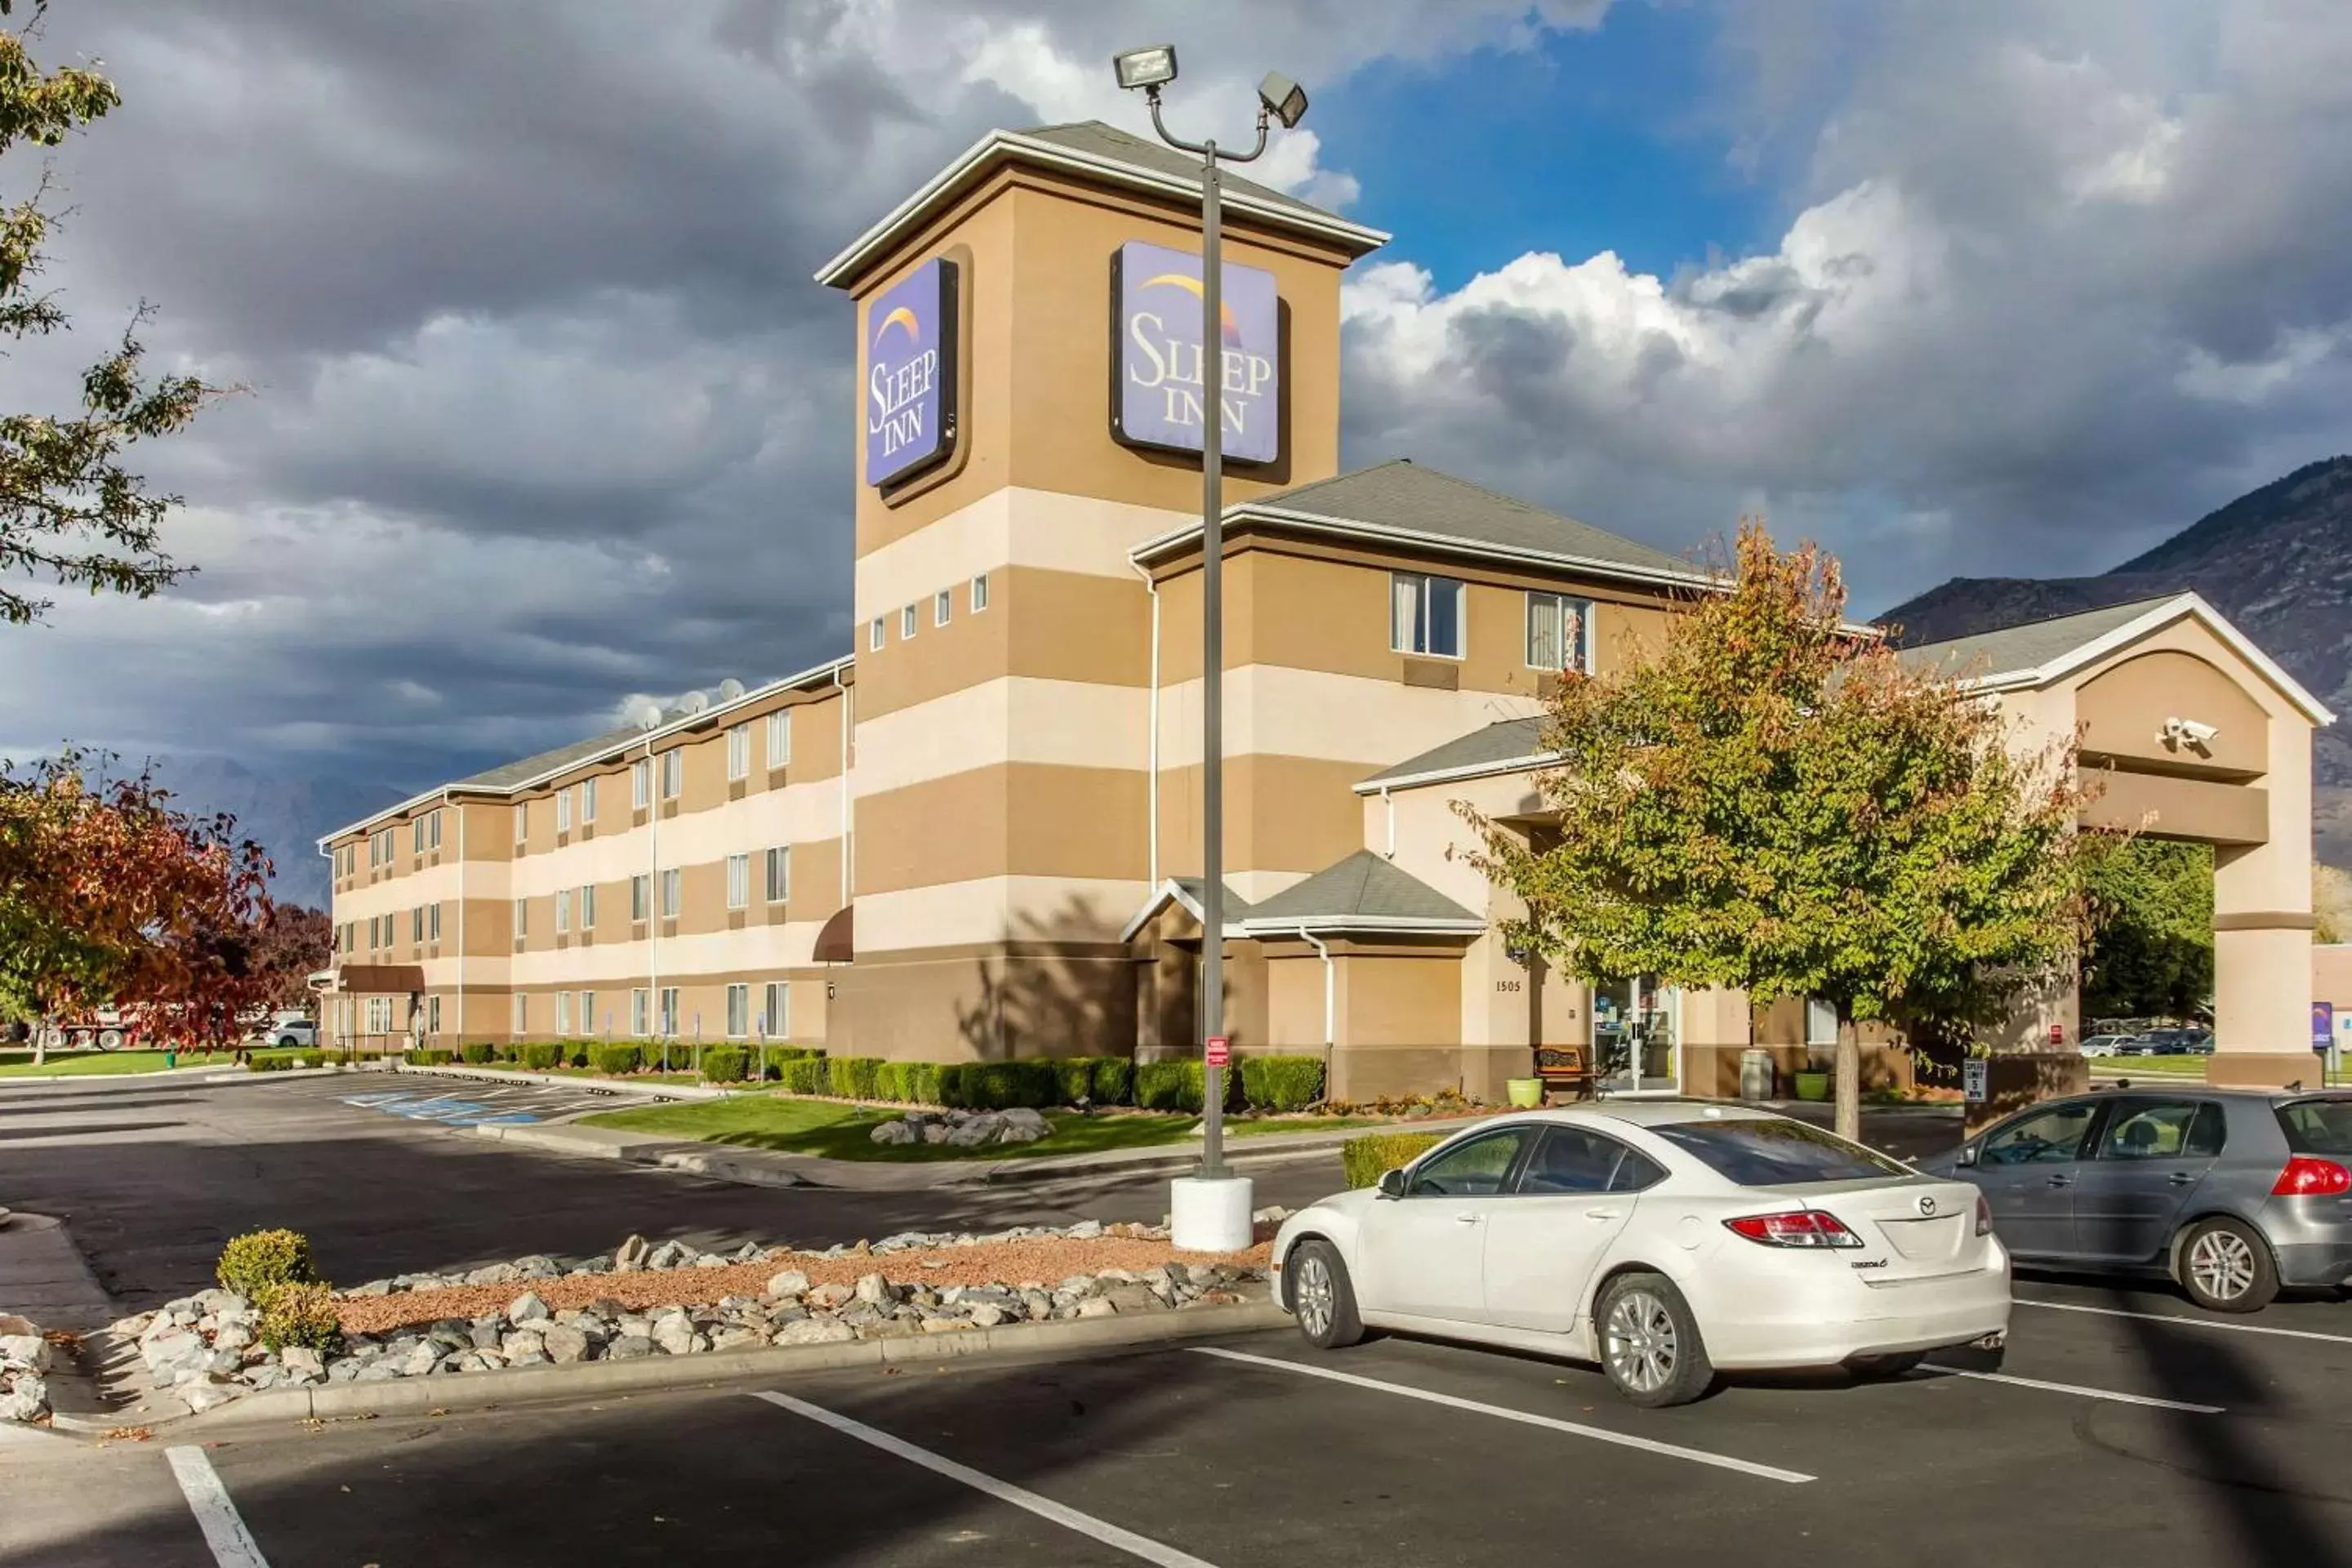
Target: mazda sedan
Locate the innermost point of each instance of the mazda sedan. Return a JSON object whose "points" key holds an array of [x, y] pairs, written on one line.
{"points": [[1666, 1240]]}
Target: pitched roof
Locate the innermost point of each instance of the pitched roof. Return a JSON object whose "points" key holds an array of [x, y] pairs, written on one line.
{"points": [[1363, 891], [1187, 890], [1094, 138], [2029, 645], [1509, 740], [1402, 500], [506, 775]]}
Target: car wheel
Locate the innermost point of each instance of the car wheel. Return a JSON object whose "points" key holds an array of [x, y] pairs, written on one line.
{"points": [[1321, 1299], [1886, 1368], [1650, 1342], [2225, 1265]]}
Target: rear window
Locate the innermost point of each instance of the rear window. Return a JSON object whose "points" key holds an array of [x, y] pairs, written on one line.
{"points": [[1776, 1154], [2317, 1126]]}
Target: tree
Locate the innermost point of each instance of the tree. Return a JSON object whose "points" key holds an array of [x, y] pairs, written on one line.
{"points": [[2151, 947], [296, 943], [2331, 902], [70, 512], [1775, 802]]}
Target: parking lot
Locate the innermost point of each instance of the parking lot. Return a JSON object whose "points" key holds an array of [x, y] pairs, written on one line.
{"points": [[2120, 1426]]}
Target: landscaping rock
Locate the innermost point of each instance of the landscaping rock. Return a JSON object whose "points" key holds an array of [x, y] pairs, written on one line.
{"points": [[792, 1282], [422, 1358], [302, 1364], [895, 1133], [563, 1343], [976, 1131], [630, 1256], [1096, 1307], [494, 1274], [674, 1334], [875, 1290], [831, 1294], [25, 1353], [814, 1331], [28, 1398], [1022, 1125], [987, 1315], [200, 1396], [527, 1307], [630, 1347], [521, 1342]]}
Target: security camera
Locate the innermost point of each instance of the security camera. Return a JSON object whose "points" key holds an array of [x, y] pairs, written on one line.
{"points": [[2178, 733]]}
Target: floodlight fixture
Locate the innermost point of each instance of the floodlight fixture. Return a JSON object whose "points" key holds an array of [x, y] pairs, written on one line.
{"points": [[1152, 66], [1283, 98]]}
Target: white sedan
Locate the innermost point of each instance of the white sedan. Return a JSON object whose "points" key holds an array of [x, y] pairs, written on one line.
{"points": [[1666, 1240]]}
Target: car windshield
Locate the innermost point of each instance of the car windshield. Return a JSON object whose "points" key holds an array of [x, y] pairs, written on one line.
{"points": [[1775, 1152], [2317, 1126]]}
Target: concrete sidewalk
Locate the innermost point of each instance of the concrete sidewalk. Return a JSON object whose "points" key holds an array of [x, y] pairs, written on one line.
{"points": [[43, 1277]]}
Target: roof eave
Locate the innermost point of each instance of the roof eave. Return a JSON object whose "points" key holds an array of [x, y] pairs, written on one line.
{"points": [[1467, 771], [846, 267], [1257, 925]]}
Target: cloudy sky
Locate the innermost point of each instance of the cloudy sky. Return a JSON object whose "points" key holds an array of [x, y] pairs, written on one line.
{"points": [[544, 409]]}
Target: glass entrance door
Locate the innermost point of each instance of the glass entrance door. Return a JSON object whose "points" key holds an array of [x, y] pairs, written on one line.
{"points": [[1636, 1030]]}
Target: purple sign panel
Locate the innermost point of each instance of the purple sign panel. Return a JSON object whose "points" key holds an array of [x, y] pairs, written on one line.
{"points": [[1157, 396], [911, 373], [2322, 1025]]}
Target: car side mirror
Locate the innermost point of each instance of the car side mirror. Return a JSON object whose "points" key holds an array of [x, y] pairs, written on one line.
{"points": [[1968, 1157], [1392, 1184]]}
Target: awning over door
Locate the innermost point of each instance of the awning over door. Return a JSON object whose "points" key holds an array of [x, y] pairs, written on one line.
{"points": [[380, 979], [835, 941]]}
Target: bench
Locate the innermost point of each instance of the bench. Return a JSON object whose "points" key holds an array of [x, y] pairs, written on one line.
{"points": [[1568, 1070]]}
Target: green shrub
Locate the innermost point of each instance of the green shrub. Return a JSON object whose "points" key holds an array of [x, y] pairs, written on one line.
{"points": [[1177, 1086], [997, 1086], [1363, 1159], [616, 1058], [301, 1312], [726, 1064], [891, 1080], [314, 1058], [923, 1082], [540, 1055], [578, 1053], [1114, 1081], [854, 1078], [1282, 1083], [259, 1261], [478, 1053], [806, 1075], [269, 1061], [423, 1058], [1073, 1080]]}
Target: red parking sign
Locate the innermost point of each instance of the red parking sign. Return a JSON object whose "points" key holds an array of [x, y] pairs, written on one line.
{"points": [[1221, 1050]]}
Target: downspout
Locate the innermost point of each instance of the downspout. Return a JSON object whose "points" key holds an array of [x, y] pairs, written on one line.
{"points": [[1388, 803], [653, 896], [334, 951], [841, 789], [461, 921], [1151, 785], [1330, 1001]]}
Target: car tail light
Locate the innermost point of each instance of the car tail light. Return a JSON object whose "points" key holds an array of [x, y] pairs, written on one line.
{"points": [[1799, 1228], [1984, 1216], [2305, 1177]]}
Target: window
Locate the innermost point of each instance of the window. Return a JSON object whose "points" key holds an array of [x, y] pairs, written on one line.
{"points": [[641, 784], [563, 811], [739, 1011], [2317, 1126], [874, 635], [739, 752], [433, 923], [639, 1023], [522, 919], [1424, 614], [669, 894], [416, 923], [587, 801], [522, 824], [563, 910], [1757, 1153], [780, 874], [776, 1022], [1559, 633], [641, 896], [906, 623], [979, 593], [433, 1015], [780, 739], [587, 1011], [433, 837], [2050, 1136], [2162, 1130], [673, 766], [739, 881], [416, 836], [521, 1013], [379, 1014], [1821, 1021], [563, 1012], [1574, 1160], [942, 606], [588, 907], [1475, 1167], [669, 1012]]}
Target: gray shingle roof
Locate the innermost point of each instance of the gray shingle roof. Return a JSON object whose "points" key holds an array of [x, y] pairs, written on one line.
{"points": [[1362, 886], [1236, 907], [2028, 645], [1507, 741], [1402, 495], [506, 775], [1097, 139]]}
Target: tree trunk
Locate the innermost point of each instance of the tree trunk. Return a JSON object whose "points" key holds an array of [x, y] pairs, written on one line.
{"points": [[1848, 1080]]}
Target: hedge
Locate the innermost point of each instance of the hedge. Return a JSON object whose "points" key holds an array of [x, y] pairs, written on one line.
{"points": [[855, 1077], [1282, 1083], [806, 1075], [998, 1086], [272, 1061], [614, 1060], [477, 1055], [1363, 1159], [1177, 1086], [540, 1056], [1114, 1081], [1073, 1080], [726, 1064], [314, 1058], [428, 1058]]}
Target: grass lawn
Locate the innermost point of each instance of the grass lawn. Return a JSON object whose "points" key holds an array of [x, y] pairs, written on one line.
{"points": [[19, 1064], [839, 1132], [2148, 1067]]}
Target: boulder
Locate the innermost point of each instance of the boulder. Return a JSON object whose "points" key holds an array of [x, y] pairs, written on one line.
{"points": [[538, 1266], [201, 1397], [946, 1325], [674, 1334], [629, 1347], [172, 1348], [12, 1323], [27, 1399], [736, 1338], [875, 1290], [833, 1293], [986, 1315], [1126, 1299], [25, 1353], [895, 1133], [630, 1256], [814, 1331], [527, 1307], [521, 1342], [792, 1282], [668, 1254], [563, 1343], [1084, 1230], [936, 1131], [302, 1364], [1022, 1125], [427, 1355], [974, 1131], [494, 1274], [1096, 1307]]}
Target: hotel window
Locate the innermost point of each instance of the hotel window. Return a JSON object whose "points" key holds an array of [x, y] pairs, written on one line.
{"points": [[739, 1011], [587, 1011], [1424, 614], [638, 1020], [874, 635], [942, 606], [433, 832], [563, 910], [588, 907], [673, 766], [906, 619], [416, 836], [669, 1012], [521, 1013], [780, 874], [641, 784], [563, 811], [641, 896], [669, 890], [739, 881], [780, 740], [587, 801], [1821, 1021], [522, 824], [776, 1022], [1559, 633], [979, 593], [739, 752], [522, 919], [433, 1015], [433, 923], [563, 1012], [416, 923]]}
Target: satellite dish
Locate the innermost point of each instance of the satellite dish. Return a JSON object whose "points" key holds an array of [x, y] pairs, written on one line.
{"points": [[645, 713], [730, 690], [694, 702]]}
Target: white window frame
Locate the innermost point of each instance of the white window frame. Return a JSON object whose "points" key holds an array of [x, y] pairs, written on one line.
{"points": [[522, 823], [641, 898], [942, 606], [587, 1011], [587, 812], [641, 784], [739, 752], [739, 1011], [522, 1013], [587, 907], [909, 617], [1404, 631], [668, 1011], [522, 919], [673, 893], [1821, 1021], [1562, 606], [433, 923], [433, 1015], [776, 1021], [979, 593], [563, 1013], [877, 633], [563, 811], [780, 874], [673, 773], [640, 1013], [433, 839], [562, 911], [780, 738], [739, 881]]}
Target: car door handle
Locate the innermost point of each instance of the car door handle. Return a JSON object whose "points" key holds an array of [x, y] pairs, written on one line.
{"points": [[2181, 1178], [1600, 1214], [2062, 1180], [1465, 1219]]}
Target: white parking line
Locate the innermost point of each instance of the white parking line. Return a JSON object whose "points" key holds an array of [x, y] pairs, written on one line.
{"points": [[224, 1532], [2077, 1389], [1087, 1524], [1502, 1412], [2187, 1322]]}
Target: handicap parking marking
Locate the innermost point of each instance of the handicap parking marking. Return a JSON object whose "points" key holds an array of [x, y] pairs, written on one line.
{"points": [[1068, 1518], [1505, 1412], [232, 1543], [2080, 1391], [2176, 1319]]}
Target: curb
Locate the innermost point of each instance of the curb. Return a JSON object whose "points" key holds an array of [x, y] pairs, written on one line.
{"points": [[488, 1391], [228, 1073], [556, 1081]]}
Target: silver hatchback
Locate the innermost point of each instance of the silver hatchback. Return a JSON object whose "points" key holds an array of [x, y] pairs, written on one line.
{"points": [[2234, 1193]]}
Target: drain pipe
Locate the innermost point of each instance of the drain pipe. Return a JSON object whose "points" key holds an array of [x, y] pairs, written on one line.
{"points": [[1388, 804], [1331, 1001], [1151, 785], [843, 784]]}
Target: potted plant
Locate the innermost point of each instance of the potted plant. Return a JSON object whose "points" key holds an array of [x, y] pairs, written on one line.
{"points": [[1524, 1092], [1813, 1083]]}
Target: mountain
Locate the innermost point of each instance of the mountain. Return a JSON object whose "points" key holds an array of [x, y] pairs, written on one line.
{"points": [[285, 812], [2278, 561]]}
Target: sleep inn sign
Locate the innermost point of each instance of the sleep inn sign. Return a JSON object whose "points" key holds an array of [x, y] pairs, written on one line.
{"points": [[1156, 400], [911, 373]]}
